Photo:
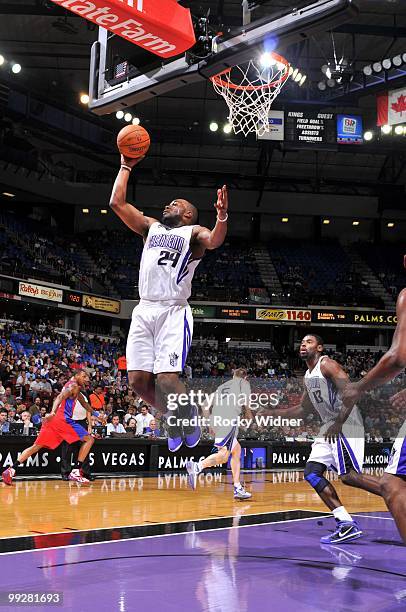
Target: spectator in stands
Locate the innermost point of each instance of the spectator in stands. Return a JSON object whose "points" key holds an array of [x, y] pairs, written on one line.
{"points": [[97, 398], [122, 365], [143, 419], [4, 423], [152, 431], [115, 426], [130, 414], [188, 372], [35, 389], [131, 425], [35, 408], [9, 397], [26, 419]]}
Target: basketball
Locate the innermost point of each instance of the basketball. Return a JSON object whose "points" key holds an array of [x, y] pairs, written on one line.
{"points": [[133, 141]]}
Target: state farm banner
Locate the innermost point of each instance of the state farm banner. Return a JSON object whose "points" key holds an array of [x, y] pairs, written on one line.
{"points": [[40, 292], [391, 107], [162, 27]]}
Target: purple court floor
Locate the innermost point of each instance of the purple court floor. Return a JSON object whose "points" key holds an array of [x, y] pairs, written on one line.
{"points": [[277, 566]]}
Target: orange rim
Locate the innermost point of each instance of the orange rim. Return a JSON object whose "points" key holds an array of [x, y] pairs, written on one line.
{"points": [[216, 79]]}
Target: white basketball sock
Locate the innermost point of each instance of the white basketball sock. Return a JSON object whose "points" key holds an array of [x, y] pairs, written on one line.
{"points": [[341, 514]]}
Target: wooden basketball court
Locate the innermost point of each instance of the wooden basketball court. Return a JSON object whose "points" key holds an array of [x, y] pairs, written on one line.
{"points": [[37, 506]]}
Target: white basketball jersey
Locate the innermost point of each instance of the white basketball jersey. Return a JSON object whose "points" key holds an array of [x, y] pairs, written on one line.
{"points": [[324, 395], [230, 398], [167, 265]]}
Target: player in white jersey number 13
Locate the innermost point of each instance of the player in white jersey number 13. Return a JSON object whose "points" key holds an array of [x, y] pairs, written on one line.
{"points": [[340, 444], [162, 325]]}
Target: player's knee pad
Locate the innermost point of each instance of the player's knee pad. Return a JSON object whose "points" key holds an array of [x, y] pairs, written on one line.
{"points": [[314, 475]]}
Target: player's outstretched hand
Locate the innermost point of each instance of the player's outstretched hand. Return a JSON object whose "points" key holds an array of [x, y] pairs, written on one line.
{"points": [[131, 161], [333, 432], [222, 202], [48, 417], [399, 400]]}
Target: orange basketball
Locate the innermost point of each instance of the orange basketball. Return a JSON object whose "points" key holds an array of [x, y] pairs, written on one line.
{"points": [[133, 141]]}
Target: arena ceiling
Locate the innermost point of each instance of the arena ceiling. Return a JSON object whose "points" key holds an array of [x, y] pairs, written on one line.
{"points": [[53, 48]]}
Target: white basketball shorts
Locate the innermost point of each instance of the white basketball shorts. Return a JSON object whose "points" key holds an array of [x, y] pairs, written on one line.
{"points": [[397, 461], [160, 337], [343, 455]]}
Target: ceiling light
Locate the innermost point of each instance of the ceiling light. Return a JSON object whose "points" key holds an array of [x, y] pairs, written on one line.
{"points": [[355, 222], [8, 194], [119, 114], [16, 68], [326, 221], [84, 99], [331, 82], [322, 86], [85, 211], [386, 129], [328, 72], [294, 73], [387, 64], [285, 219], [404, 58], [324, 68], [227, 128], [399, 129], [213, 126], [128, 117], [397, 61], [136, 121], [104, 211], [290, 70], [377, 67], [302, 80], [368, 136], [391, 224], [367, 70], [2, 60], [298, 77]]}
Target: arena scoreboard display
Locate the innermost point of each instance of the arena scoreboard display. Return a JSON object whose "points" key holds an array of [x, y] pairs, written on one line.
{"points": [[370, 318], [307, 127], [236, 313]]}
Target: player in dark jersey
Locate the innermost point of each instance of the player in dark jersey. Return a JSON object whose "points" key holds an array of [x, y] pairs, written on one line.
{"points": [[393, 363], [60, 426]]}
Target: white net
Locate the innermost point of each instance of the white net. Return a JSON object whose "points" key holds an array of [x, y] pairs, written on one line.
{"points": [[249, 91]]}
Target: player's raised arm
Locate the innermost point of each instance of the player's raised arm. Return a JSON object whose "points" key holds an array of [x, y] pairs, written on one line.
{"points": [[212, 239], [131, 216], [390, 365]]}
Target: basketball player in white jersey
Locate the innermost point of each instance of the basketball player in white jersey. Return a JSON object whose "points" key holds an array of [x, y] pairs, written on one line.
{"points": [[393, 363], [230, 399], [162, 326], [340, 443]]}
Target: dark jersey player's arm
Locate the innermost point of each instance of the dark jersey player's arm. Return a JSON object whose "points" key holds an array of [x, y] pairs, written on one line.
{"points": [[131, 216], [394, 361]]}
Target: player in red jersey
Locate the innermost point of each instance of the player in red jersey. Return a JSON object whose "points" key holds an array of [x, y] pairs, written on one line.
{"points": [[60, 426]]}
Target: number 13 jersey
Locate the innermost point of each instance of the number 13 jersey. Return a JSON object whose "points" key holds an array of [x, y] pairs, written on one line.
{"points": [[167, 265], [324, 395]]}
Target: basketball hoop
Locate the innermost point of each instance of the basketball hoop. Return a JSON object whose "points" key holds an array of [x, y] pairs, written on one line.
{"points": [[249, 91]]}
